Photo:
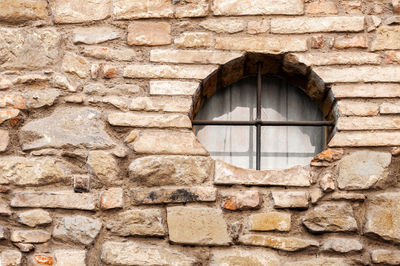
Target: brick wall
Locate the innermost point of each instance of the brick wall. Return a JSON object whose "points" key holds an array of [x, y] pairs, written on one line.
{"points": [[99, 164]]}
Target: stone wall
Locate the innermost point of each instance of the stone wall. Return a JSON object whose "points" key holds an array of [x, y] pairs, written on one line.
{"points": [[99, 164]]}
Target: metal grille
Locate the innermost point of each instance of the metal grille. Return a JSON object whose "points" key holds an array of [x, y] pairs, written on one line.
{"points": [[258, 123]]}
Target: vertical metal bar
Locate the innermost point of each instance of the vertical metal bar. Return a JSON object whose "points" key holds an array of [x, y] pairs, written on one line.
{"points": [[258, 119]]}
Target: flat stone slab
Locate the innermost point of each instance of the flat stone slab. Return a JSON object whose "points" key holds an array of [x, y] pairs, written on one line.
{"points": [[276, 242], [77, 229], [253, 257]]}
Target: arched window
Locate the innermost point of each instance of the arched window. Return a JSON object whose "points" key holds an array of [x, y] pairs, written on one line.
{"points": [[261, 122]]}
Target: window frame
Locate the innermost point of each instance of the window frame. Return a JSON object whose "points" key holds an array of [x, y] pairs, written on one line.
{"points": [[258, 122]]}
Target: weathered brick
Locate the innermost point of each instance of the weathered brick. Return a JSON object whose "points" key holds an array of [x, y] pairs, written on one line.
{"points": [[258, 26], [276, 242], [359, 74], [172, 87], [30, 236], [321, 7], [173, 195], [392, 57], [365, 139], [75, 64], [391, 257], [366, 91], [353, 108], [76, 11], [94, 35], [270, 221], [338, 58], [119, 54], [390, 108], [165, 104], [192, 56], [290, 199], [77, 229], [258, 7], [350, 42], [112, 198], [317, 24], [192, 9], [22, 10], [68, 257], [133, 9], [263, 44], [224, 25], [197, 226], [149, 33], [240, 200], [59, 199], [368, 123], [195, 40], [150, 120], [33, 218], [168, 71], [246, 257]]}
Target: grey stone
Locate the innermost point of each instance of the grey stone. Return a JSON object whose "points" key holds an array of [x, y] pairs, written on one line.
{"points": [[67, 127], [40, 98], [341, 245], [363, 169], [77, 229], [94, 35]]}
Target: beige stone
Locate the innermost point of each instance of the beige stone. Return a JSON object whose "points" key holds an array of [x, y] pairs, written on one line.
{"points": [[192, 9], [149, 120], [195, 40], [235, 257], [60, 81], [135, 253], [193, 56], [168, 71], [240, 200], [330, 217], [103, 165], [226, 174], [197, 226], [341, 195], [290, 199], [359, 74], [317, 24], [34, 218], [386, 38], [392, 57], [59, 199], [276, 242], [77, 229], [170, 170], [258, 7], [327, 181], [4, 208], [258, 26], [383, 216], [22, 10], [164, 104], [350, 42], [16, 101], [172, 87], [10, 257], [5, 83], [364, 139], [6, 114], [338, 58], [322, 7], [41, 98], [69, 257], [319, 261], [30, 236], [391, 257], [390, 108], [112, 198], [133, 9], [224, 25], [396, 6], [76, 11], [366, 91], [76, 65], [173, 195], [4, 140], [270, 221], [273, 45], [149, 33], [341, 245], [353, 108], [94, 35], [119, 54], [368, 123]]}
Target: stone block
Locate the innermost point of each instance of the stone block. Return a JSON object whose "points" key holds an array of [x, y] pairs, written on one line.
{"points": [[172, 87], [68, 257], [6, 114], [276, 242], [41, 98], [103, 165], [350, 42], [390, 257], [76, 65], [338, 58], [390, 108], [10, 257], [197, 226], [76, 11], [195, 40], [112, 198], [240, 200], [106, 53], [366, 91], [135, 9], [22, 10], [168, 71], [367, 139], [258, 26], [353, 108], [290, 199], [95, 35], [326, 157], [77, 229], [5, 83], [387, 38], [163, 104], [149, 33], [368, 123], [30, 236], [392, 57], [192, 9], [149, 120], [12, 101], [359, 74], [319, 261], [224, 25], [322, 7], [41, 259], [34, 218], [4, 140], [270, 221], [257, 7], [81, 183], [341, 245], [340, 195], [254, 257]]}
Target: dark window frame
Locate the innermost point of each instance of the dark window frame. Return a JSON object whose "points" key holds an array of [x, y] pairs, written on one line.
{"points": [[258, 123]]}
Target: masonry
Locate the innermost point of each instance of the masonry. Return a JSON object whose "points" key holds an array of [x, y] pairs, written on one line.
{"points": [[99, 164]]}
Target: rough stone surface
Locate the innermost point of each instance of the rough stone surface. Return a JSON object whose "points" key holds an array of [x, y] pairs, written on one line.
{"points": [[22, 10], [170, 170], [359, 74], [164, 104], [241, 200], [383, 216], [41, 259], [173, 195], [192, 9], [321, 7], [194, 40], [76, 11], [391, 257], [4, 140], [366, 91], [31, 171], [197, 226], [167, 71], [363, 169], [146, 222], [320, 261], [390, 108], [341, 245], [224, 25], [367, 139], [11, 257], [270, 221], [34, 218], [106, 53], [257, 27], [226, 174], [331, 217], [76, 65], [352, 42], [290, 199], [149, 33], [42, 98], [95, 35], [28, 49], [338, 58], [6, 114], [254, 257], [258, 7], [276, 242], [386, 38], [128, 9], [112, 198], [67, 127], [352, 108], [60, 199], [30, 236], [69, 257], [161, 87], [132, 253], [103, 165], [149, 120], [367, 123], [77, 229]]}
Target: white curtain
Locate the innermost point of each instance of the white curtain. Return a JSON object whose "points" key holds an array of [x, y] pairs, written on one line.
{"points": [[281, 147]]}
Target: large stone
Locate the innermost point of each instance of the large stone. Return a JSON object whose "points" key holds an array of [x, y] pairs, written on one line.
{"points": [[388, 73], [76, 65], [277, 242], [331, 217], [338, 58], [9, 113], [172, 87], [23, 171], [195, 40], [353, 108], [28, 48], [197, 226], [241, 200], [22, 10], [387, 38], [34, 218], [149, 33], [390, 108], [319, 261], [10, 258], [95, 35], [67, 127], [173, 195], [77, 229], [133, 9], [357, 41], [226, 174], [341, 245], [30, 236], [166, 142], [164, 104], [170, 170], [41, 98], [149, 120], [106, 53], [112, 198], [103, 165], [192, 9], [270, 221], [366, 91], [383, 216], [367, 123], [146, 222], [132, 253], [363, 169], [168, 71], [365, 139], [258, 7], [391, 257], [236, 257], [69, 257], [60, 199], [76, 11], [322, 7], [290, 199], [224, 25]]}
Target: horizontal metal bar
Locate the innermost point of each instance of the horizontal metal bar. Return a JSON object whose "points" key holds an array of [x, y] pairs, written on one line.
{"points": [[262, 123]]}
